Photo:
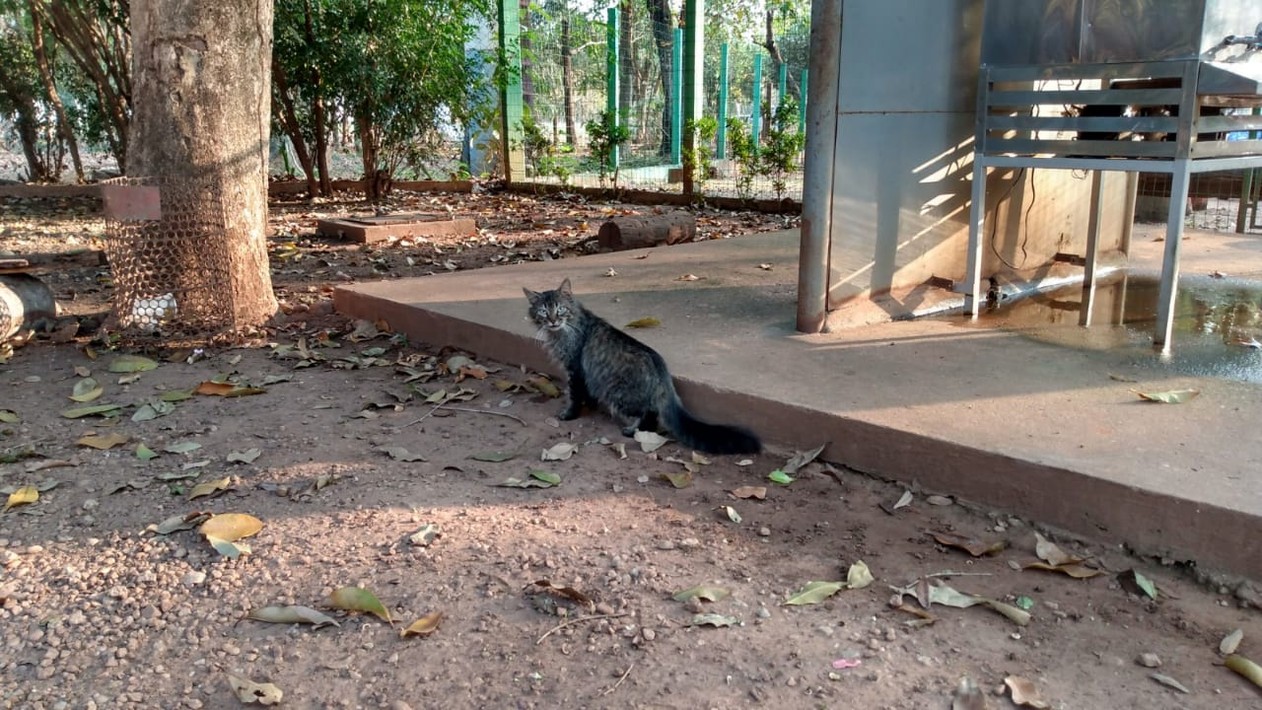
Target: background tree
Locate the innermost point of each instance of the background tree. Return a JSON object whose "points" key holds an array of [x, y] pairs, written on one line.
{"points": [[664, 36], [397, 68], [96, 36], [301, 53], [19, 90], [44, 63]]}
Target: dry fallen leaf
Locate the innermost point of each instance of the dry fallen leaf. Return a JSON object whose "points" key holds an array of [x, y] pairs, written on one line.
{"points": [[560, 451], [423, 537], [1024, 692], [1077, 570], [22, 496], [398, 453], [650, 441], [359, 599], [226, 389], [1169, 682], [1170, 396], [231, 526], [247, 691], [973, 546], [647, 322], [755, 492], [704, 592], [1051, 554], [208, 488], [423, 626], [1231, 642], [800, 459], [292, 614], [567, 592], [247, 456], [103, 441]]}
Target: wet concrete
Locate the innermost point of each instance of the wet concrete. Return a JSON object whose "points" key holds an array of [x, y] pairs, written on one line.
{"points": [[1217, 328], [1044, 429]]}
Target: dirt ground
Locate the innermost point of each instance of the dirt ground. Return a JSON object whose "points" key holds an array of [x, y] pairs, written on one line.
{"points": [[356, 442]]}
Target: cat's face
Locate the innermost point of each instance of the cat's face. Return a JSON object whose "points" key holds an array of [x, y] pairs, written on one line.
{"points": [[552, 310]]}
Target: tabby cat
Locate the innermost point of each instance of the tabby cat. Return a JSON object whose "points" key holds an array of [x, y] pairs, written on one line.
{"points": [[607, 367]]}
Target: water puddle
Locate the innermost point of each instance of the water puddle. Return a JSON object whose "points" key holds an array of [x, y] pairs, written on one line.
{"points": [[1217, 328]]}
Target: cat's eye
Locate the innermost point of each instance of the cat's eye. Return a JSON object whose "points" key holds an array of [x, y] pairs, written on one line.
{"points": [[563, 311]]}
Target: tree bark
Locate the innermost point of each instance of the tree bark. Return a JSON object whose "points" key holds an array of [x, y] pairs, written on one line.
{"points": [[202, 74], [567, 76], [622, 233], [40, 51], [664, 33]]}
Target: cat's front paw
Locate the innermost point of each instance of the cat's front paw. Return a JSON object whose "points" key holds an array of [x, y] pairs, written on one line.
{"points": [[568, 413]]}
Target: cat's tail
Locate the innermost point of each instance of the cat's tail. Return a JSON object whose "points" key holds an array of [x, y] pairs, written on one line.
{"points": [[706, 437]]}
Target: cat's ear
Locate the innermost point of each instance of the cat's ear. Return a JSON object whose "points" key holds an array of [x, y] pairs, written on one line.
{"points": [[565, 288], [531, 296]]}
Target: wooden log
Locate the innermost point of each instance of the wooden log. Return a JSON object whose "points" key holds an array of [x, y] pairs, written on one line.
{"points": [[637, 232]]}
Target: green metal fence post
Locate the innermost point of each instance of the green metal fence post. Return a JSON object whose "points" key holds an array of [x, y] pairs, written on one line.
{"points": [[720, 147], [513, 147], [802, 105], [676, 98], [611, 77], [694, 78], [755, 119]]}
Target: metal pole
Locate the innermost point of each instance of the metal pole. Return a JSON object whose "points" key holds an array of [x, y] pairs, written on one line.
{"points": [[513, 152], [1179, 180], [818, 171], [1089, 277], [676, 98], [720, 146], [611, 76], [802, 103], [693, 78], [1246, 187], [755, 121]]}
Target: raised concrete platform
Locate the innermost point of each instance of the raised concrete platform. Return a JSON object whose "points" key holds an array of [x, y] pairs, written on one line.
{"points": [[983, 414], [370, 229]]}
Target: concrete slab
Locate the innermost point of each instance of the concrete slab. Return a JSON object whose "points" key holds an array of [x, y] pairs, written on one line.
{"points": [[986, 415], [367, 230]]}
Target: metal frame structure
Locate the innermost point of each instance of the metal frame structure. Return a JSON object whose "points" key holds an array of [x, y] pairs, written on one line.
{"points": [[1171, 136]]}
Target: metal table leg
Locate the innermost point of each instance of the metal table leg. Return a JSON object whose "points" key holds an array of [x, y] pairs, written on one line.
{"points": [[1179, 180]]}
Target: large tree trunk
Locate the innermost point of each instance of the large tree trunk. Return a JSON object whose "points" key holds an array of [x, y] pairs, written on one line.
{"points": [[40, 51], [200, 130], [664, 34], [567, 76]]}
